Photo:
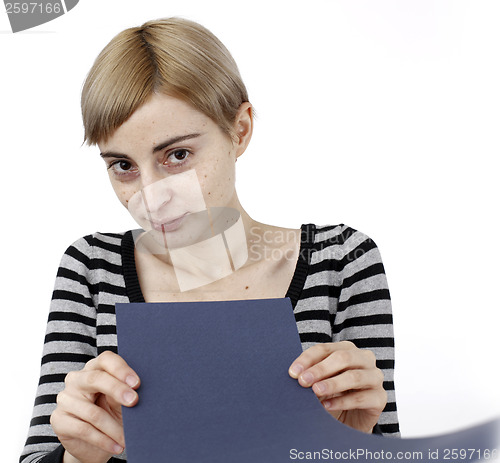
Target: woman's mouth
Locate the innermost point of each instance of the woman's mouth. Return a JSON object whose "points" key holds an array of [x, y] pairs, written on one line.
{"points": [[168, 225]]}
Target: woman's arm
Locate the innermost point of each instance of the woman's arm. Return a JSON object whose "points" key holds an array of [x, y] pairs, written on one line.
{"points": [[355, 379], [70, 343]]}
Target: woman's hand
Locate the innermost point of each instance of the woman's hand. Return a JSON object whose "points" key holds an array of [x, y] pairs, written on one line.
{"points": [[346, 381], [88, 419]]}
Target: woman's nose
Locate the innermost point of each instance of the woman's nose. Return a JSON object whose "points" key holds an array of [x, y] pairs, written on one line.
{"points": [[156, 195], [151, 174]]}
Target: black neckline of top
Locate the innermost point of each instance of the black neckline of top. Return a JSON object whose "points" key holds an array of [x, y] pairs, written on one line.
{"points": [[133, 288]]}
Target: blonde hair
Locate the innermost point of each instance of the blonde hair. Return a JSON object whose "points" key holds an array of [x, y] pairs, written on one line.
{"points": [[171, 56]]}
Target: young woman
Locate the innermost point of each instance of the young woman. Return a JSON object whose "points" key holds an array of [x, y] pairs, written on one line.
{"points": [[170, 114]]}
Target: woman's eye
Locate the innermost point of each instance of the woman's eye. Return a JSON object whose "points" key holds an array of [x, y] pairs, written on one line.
{"points": [[121, 168], [123, 165], [177, 157]]}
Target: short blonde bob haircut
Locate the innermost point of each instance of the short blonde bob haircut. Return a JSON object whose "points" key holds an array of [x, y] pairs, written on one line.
{"points": [[176, 57]]}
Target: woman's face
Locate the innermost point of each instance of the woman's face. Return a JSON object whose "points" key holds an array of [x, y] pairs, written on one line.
{"points": [[169, 161]]}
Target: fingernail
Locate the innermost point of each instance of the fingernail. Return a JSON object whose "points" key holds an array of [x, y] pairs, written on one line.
{"points": [[129, 397], [296, 369], [131, 380], [320, 387], [326, 404], [117, 449], [307, 377]]}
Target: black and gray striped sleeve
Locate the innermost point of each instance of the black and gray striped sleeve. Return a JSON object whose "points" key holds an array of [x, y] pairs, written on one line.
{"points": [[364, 313], [346, 298], [70, 342]]}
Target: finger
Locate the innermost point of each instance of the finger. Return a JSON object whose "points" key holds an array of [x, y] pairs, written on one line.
{"points": [[116, 366], [349, 380], [92, 382], [68, 427], [371, 399], [336, 363], [93, 415], [111, 406], [315, 354]]}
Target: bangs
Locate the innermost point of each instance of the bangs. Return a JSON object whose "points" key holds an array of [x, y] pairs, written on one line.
{"points": [[122, 79], [175, 57]]}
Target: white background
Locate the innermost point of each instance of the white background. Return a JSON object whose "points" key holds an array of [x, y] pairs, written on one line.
{"points": [[383, 115]]}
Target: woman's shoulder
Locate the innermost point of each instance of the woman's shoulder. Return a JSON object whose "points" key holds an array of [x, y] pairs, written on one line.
{"points": [[97, 243], [339, 245], [339, 236], [349, 253]]}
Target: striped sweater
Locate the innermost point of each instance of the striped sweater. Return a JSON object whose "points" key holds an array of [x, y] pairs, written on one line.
{"points": [[338, 291]]}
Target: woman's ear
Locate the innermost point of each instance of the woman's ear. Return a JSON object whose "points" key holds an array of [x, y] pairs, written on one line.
{"points": [[243, 127]]}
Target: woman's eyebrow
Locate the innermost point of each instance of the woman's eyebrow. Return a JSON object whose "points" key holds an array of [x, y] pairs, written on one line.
{"points": [[159, 147], [111, 154], [173, 140]]}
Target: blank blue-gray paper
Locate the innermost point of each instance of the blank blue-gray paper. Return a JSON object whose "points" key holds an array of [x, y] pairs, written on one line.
{"points": [[215, 388]]}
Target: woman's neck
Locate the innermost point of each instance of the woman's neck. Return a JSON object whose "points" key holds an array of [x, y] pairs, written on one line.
{"points": [[244, 238]]}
